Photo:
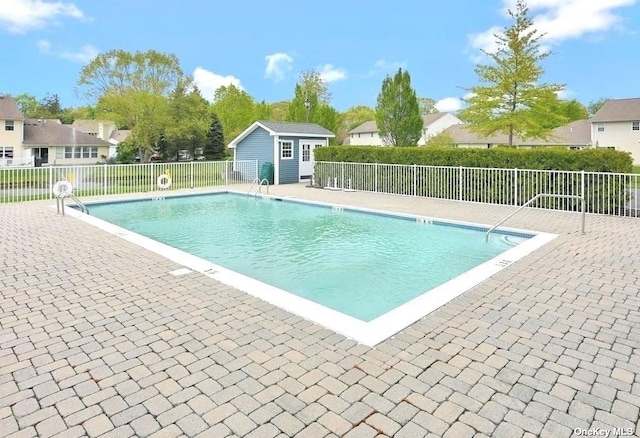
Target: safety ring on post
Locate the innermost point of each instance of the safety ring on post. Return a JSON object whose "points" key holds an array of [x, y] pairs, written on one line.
{"points": [[62, 189], [164, 181]]}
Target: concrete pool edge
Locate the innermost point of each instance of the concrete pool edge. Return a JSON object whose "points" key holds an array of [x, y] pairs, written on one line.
{"points": [[367, 333]]}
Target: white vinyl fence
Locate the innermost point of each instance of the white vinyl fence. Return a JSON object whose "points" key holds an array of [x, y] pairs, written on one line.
{"points": [[605, 193], [25, 184]]}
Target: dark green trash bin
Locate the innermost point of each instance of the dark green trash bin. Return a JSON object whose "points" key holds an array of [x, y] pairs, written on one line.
{"points": [[266, 172]]}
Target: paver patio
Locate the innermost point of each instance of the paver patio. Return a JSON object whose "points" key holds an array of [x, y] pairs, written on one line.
{"points": [[98, 339]]}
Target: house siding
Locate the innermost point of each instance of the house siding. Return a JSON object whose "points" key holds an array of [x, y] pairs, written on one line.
{"points": [[434, 128], [619, 135], [258, 145], [13, 138], [289, 169]]}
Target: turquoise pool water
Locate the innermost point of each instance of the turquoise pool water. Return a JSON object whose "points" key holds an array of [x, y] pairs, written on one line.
{"points": [[357, 263]]}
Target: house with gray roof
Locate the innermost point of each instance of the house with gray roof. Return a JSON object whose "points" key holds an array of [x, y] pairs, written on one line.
{"points": [[616, 125], [55, 143], [366, 134], [11, 134], [287, 146], [575, 135], [44, 141]]}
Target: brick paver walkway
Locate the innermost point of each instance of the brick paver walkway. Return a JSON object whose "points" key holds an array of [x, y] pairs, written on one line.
{"points": [[98, 339]]}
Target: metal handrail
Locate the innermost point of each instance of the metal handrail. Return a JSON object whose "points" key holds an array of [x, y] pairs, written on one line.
{"points": [[60, 203], [259, 181], [543, 195]]}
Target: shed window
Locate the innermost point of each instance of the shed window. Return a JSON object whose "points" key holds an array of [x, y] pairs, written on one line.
{"points": [[286, 150]]}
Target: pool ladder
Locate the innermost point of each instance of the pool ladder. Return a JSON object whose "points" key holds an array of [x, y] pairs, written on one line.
{"points": [[259, 190], [74, 198]]}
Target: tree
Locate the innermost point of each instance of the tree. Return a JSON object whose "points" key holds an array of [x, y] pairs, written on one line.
{"points": [[312, 84], [279, 110], [512, 100], [427, 105], [397, 113], [317, 112], [214, 146], [235, 109], [440, 140], [263, 111], [189, 121], [28, 105], [357, 115], [133, 89], [595, 105]]}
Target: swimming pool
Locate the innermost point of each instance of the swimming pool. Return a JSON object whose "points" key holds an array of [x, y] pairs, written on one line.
{"points": [[362, 274]]}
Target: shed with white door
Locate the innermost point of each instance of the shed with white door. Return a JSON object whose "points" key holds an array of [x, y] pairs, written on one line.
{"points": [[288, 145]]}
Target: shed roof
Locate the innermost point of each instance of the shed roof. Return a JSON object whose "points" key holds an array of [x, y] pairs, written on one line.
{"points": [[618, 110], [299, 129]]}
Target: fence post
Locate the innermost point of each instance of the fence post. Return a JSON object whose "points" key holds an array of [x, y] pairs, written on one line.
{"points": [[460, 183], [50, 190], [342, 176], [258, 171], [104, 191], [515, 186], [415, 180], [226, 173], [191, 174], [375, 178]]}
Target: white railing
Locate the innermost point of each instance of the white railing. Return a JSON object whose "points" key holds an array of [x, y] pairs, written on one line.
{"points": [[25, 184], [604, 193], [17, 162]]}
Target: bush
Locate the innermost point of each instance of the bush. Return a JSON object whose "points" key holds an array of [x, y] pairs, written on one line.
{"points": [[547, 158]]}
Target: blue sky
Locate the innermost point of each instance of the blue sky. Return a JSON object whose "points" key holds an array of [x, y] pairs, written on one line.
{"points": [[263, 46]]}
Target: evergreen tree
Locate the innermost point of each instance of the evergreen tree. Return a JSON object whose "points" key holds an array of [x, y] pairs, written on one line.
{"points": [[397, 112], [511, 100], [214, 146]]}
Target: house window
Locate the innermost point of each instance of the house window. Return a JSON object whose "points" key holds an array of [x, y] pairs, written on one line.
{"points": [[6, 151], [286, 150], [635, 126], [8, 125], [600, 127], [77, 152]]}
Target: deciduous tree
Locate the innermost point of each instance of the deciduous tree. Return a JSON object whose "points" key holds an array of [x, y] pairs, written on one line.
{"points": [[595, 105], [398, 113], [235, 109], [511, 99], [427, 105], [133, 89], [189, 121]]}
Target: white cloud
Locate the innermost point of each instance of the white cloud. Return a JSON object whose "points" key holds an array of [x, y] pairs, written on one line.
{"points": [[84, 55], [278, 64], [386, 67], [560, 20], [20, 16], [208, 82], [329, 73], [449, 104]]}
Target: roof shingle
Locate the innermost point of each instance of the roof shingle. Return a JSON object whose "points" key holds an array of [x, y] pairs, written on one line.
{"points": [[9, 110], [296, 128], [48, 133], [371, 126], [618, 110]]}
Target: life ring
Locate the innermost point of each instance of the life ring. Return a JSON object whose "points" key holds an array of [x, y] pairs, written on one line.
{"points": [[62, 189], [164, 181]]}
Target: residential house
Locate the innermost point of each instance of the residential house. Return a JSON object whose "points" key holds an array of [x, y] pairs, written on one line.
{"points": [[575, 135], [104, 130], [53, 143], [11, 134], [616, 125], [433, 124], [287, 145]]}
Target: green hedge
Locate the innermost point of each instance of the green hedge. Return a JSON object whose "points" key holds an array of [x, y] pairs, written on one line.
{"points": [[590, 160], [604, 193]]}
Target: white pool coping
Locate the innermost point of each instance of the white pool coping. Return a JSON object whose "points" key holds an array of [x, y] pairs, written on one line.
{"points": [[367, 333]]}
